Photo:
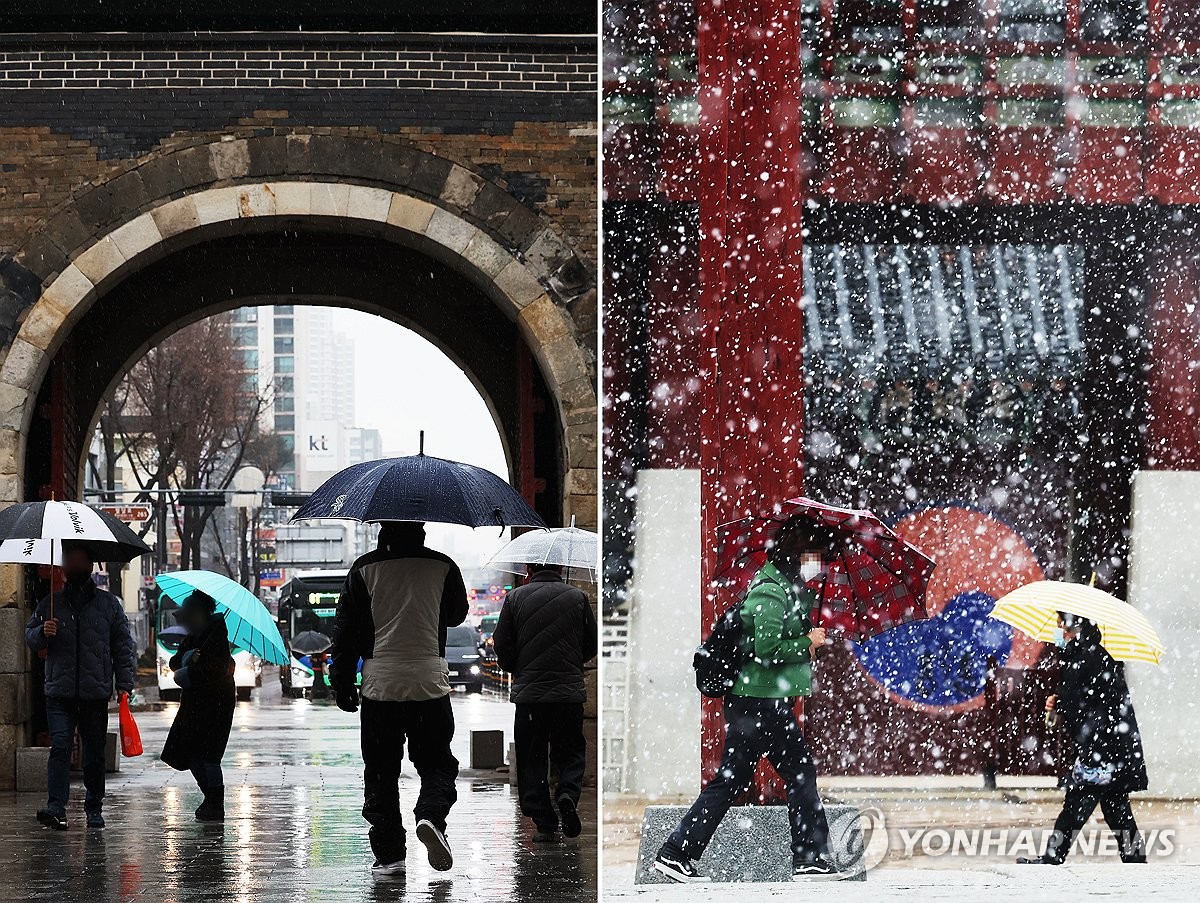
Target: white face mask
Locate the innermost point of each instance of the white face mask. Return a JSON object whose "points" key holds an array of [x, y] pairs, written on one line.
{"points": [[810, 570]]}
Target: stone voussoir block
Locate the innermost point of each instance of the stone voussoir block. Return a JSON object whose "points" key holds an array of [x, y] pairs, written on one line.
{"points": [[410, 214], [330, 199], [545, 320], [255, 200], [367, 203], [13, 400], [161, 176], [24, 365], [449, 230], [486, 255], [519, 285], [268, 156], [136, 236], [547, 254], [461, 188], [217, 205], [292, 198], [230, 159], [101, 260], [176, 217]]}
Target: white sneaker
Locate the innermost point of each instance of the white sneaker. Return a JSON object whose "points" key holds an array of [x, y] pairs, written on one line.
{"points": [[390, 868], [435, 842]]}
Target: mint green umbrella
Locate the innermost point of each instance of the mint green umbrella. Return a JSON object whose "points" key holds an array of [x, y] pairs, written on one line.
{"points": [[250, 625]]}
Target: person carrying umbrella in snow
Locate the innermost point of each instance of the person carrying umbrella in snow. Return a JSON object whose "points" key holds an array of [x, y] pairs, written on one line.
{"points": [[778, 641], [393, 614], [203, 668], [85, 635], [1096, 710], [545, 635]]}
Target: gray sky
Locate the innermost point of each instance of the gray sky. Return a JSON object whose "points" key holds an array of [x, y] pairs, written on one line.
{"points": [[405, 384]]}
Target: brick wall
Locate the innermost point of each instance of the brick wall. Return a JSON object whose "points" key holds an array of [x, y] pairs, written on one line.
{"points": [[338, 66], [77, 110]]}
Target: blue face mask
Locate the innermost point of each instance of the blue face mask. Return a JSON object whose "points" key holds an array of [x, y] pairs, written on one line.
{"points": [[1060, 639]]}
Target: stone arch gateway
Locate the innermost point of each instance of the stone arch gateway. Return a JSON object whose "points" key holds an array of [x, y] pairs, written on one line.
{"points": [[327, 219]]}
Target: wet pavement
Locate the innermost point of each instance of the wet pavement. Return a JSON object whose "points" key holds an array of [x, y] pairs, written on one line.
{"points": [[293, 829]]}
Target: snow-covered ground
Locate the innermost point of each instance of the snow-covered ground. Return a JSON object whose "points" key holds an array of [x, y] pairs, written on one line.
{"points": [[1027, 884], [959, 811]]}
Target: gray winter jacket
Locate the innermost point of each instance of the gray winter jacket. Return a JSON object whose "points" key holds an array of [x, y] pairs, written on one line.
{"points": [[92, 644]]}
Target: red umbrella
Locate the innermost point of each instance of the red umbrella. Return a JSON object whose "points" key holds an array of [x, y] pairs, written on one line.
{"points": [[874, 582]]}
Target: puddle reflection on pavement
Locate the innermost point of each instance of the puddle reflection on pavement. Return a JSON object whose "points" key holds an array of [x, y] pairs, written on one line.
{"points": [[293, 829]]}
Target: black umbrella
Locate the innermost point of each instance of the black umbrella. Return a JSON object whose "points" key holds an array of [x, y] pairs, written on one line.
{"points": [[420, 488], [308, 642]]}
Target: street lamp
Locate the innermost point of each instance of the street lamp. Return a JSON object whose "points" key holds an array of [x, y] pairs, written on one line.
{"points": [[247, 488]]}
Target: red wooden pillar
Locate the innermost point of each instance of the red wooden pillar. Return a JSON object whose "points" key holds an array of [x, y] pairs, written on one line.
{"points": [[751, 198]]}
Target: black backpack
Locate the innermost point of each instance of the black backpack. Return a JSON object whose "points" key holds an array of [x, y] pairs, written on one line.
{"points": [[718, 661]]}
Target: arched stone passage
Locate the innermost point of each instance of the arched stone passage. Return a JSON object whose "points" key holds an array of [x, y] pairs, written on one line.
{"points": [[179, 201]]}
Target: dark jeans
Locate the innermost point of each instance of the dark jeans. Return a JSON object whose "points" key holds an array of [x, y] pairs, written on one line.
{"points": [[207, 774], [755, 728], [428, 727], [1078, 807], [549, 738], [63, 717]]}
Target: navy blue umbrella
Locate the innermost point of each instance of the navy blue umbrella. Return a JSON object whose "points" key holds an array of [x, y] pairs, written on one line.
{"points": [[420, 488]]}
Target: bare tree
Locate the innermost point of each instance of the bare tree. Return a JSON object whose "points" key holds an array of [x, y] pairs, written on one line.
{"points": [[268, 451], [184, 415]]}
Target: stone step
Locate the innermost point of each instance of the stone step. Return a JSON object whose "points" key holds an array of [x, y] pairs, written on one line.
{"points": [[752, 843]]}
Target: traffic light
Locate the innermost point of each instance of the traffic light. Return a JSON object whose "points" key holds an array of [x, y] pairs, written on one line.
{"points": [[202, 498], [288, 499]]}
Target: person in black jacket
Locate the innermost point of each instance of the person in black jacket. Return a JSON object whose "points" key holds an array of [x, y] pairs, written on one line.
{"points": [[203, 668], [546, 633], [1097, 714], [86, 640], [393, 614]]}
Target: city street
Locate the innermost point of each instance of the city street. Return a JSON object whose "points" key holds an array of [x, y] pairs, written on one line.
{"points": [[293, 827]]}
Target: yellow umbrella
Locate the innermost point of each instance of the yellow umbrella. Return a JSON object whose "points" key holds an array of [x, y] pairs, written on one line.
{"points": [[1124, 632]]}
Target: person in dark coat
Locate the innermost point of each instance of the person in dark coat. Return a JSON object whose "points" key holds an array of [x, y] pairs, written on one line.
{"points": [[1096, 711], [85, 636], [203, 668], [545, 634], [394, 612]]}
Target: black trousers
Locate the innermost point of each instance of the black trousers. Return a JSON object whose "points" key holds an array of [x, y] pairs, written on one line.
{"points": [[549, 739], [755, 728], [427, 727], [1078, 807]]}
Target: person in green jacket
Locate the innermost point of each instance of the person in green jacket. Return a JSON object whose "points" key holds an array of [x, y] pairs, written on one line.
{"points": [[778, 639]]}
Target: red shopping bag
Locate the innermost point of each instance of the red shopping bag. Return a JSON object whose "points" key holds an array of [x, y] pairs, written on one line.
{"points": [[131, 737]]}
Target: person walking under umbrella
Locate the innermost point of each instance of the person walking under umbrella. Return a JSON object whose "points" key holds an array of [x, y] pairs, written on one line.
{"points": [[1096, 710], [203, 668], [545, 635], [85, 636], [778, 640], [393, 614]]}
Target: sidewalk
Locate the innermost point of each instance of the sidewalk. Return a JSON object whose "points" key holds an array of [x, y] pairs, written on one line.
{"points": [[294, 829], [948, 805]]}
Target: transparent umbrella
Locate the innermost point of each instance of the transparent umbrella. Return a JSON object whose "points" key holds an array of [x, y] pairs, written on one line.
{"points": [[568, 547]]}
